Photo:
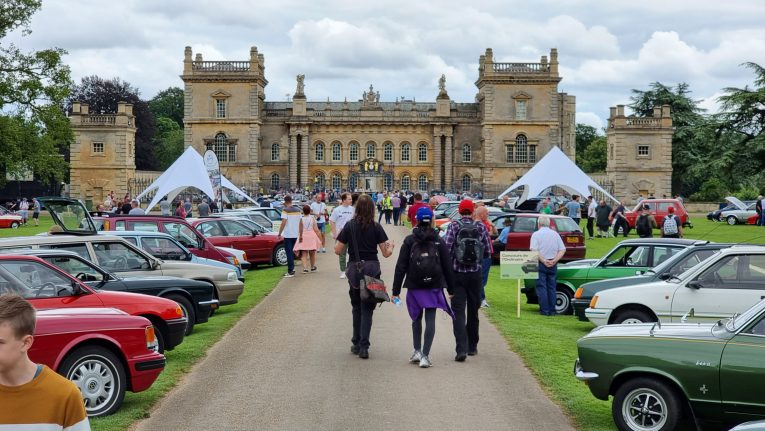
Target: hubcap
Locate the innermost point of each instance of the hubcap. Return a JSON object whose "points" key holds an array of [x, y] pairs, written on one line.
{"points": [[644, 410], [96, 381], [281, 256], [561, 302], [632, 321]]}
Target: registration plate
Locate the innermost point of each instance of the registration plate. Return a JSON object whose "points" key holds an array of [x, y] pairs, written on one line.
{"points": [[572, 239]]}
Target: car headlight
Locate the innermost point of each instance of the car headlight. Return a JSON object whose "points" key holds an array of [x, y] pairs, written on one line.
{"points": [[578, 293], [231, 276], [594, 301], [151, 339]]}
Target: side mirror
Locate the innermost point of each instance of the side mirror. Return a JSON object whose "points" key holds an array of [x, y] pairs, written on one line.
{"points": [[690, 313], [639, 272], [188, 257], [254, 233], [665, 276], [695, 284]]}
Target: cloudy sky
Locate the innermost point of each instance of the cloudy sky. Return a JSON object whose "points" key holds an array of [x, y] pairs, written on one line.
{"points": [[606, 48]]}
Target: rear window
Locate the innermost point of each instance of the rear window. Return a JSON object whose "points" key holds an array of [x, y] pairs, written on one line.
{"points": [[566, 225], [525, 224], [145, 226]]}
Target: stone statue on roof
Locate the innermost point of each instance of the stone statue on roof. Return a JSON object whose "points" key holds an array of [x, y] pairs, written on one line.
{"points": [[442, 83], [371, 96], [299, 91]]}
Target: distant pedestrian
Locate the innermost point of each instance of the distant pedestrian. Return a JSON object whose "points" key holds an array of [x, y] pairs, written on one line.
{"points": [[24, 210], [187, 208], [761, 200], [180, 211], [551, 249], [620, 220], [164, 206], [424, 269], [574, 209], [319, 210], [203, 208], [135, 208], [412, 211], [363, 237], [645, 223], [36, 211], [290, 228], [126, 206], [603, 218], [308, 240], [671, 227], [341, 215], [482, 216], [395, 201], [592, 207]]}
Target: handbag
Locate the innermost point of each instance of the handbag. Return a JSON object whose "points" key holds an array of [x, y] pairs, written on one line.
{"points": [[372, 289]]}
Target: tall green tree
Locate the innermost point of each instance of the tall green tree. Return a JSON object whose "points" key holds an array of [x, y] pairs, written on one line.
{"points": [[168, 103], [103, 95], [33, 128], [594, 158], [585, 135], [168, 142]]}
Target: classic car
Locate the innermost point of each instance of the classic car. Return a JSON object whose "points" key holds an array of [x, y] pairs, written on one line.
{"points": [[444, 208], [659, 208], [196, 298], [260, 245], [735, 208], [682, 261], [46, 286], [9, 219], [104, 351], [258, 217], [728, 282], [626, 258], [273, 214], [710, 374]]}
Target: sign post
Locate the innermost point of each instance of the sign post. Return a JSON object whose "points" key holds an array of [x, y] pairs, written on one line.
{"points": [[213, 171], [516, 265]]}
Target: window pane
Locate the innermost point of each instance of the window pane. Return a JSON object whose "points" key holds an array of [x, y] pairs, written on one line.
{"points": [[145, 226], [336, 151], [235, 229], [406, 182], [532, 153], [371, 151], [27, 279], [353, 182], [210, 229], [319, 152], [275, 181], [466, 183], [117, 257], [521, 156], [388, 153], [520, 109], [220, 108], [423, 153], [388, 181], [405, 153], [183, 234], [354, 152], [275, 152], [422, 182], [467, 153], [509, 153], [336, 180], [80, 249]]}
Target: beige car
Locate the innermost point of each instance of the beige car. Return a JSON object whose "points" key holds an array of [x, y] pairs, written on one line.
{"points": [[119, 256]]}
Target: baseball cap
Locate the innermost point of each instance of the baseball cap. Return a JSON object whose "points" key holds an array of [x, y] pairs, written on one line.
{"points": [[671, 209], [466, 205], [424, 214]]}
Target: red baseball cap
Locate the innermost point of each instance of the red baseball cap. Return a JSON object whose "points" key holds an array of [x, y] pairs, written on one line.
{"points": [[466, 206], [671, 209]]}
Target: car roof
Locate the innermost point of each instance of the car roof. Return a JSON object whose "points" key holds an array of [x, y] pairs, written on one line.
{"points": [[671, 241], [747, 248], [134, 233], [138, 216], [43, 252], [56, 239]]}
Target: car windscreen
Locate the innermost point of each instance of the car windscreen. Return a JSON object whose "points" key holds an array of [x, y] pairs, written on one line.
{"points": [[566, 225], [33, 280]]}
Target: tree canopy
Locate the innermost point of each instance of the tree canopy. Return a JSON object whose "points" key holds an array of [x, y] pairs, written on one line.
{"points": [[587, 158], [168, 103]]}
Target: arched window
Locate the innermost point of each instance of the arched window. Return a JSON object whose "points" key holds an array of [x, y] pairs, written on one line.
{"points": [[406, 183], [275, 152], [422, 152], [336, 152], [319, 152], [371, 150], [336, 181], [353, 181], [466, 180], [354, 150], [320, 180], [405, 152], [275, 181], [388, 182], [422, 183], [388, 152], [467, 153], [224, 149], [521, 150]]}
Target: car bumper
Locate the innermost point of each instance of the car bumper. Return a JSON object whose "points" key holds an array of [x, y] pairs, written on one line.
{"points": [[144, 370], [176, 330], [204, 308], [245, 265], [574, 253], [229, 291], [581, 375], [579, 306], [598, 316]]}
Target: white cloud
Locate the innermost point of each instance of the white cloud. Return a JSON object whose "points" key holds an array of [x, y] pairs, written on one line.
{"points": [[590, 119]]}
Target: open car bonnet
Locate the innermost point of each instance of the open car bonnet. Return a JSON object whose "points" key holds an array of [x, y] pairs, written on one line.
{"points": [[70, 215], [735, 201]]}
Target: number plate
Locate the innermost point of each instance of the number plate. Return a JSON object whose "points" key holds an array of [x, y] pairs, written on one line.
{"points": [[572, 239]]}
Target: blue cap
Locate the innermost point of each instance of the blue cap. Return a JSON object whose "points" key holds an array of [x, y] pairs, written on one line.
{"points": [[424, 214]]}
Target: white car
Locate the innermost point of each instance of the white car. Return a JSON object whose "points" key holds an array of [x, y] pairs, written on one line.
{"points": [[728, 282]]}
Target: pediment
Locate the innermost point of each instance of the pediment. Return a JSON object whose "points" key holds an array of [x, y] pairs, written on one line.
{"points": [[220, 94], [522, 95]]}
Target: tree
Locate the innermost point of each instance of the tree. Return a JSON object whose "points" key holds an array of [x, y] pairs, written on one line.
{"points": [[169, 104], [585, 135], [103, 95], [594, 158], [32, 87], [168, 142]]}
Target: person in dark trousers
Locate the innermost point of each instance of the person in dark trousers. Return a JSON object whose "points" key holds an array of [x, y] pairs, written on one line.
{"points": [[551, 249], [602, 218], [467, 281], [425, 276], [592, 213], [364, 237], [620, 220]]}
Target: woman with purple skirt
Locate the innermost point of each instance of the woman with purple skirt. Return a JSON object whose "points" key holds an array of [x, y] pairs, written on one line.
{"points": [[424, 268]]}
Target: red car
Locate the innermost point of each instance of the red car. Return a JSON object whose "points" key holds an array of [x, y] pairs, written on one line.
{"points": [[102, 350], [9, 219], [659, 209], [46, 286], [260, 246], [525, 224]]}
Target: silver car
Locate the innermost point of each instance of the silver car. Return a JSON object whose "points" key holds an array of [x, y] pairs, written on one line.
{"points": [[740, 213]]}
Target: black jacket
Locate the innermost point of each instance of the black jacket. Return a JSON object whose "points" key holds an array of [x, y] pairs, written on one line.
{"points": [[402, 265]]}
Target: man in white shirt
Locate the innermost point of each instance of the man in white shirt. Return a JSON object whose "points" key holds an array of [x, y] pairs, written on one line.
{"points": [[337, 220], [319, 210], [290, 229], [550, 247], [592, 213]]}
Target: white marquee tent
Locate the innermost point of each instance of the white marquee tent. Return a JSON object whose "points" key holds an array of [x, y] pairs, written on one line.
{"points": [[187, 171], [555, 169]]}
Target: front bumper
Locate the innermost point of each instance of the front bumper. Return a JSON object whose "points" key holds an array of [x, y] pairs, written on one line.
{"points": [[598, 316], [582, 375], [143, 370], [176, 330], [204, 308], [580, 305], [229, 291]]}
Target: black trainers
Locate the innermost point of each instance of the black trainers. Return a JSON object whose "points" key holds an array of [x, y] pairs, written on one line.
{"points": [[355, 349], [364, 353], [289, 274], [473, 352], [314, 269], [460, 357]]}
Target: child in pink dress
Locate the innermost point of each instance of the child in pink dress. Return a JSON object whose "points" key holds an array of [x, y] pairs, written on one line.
{"points": [[308, 239]]}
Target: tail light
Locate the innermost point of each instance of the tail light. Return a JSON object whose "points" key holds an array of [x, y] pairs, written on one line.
{"points": [[578, 293], [594, 301], [106, 225], [151, 339], [244, 256]]}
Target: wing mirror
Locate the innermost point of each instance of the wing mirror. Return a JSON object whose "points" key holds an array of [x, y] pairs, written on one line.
{"points": [[639, 272], [665, 276], [690, 313], [695, 284], [255, 232]]}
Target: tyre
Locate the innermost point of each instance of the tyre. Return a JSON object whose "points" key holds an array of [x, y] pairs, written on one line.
{"points": [[563, 298], [188, 311], [646, 404], [14, 225], [632, 317], [732, 220], [100, 376], [280, 255]]}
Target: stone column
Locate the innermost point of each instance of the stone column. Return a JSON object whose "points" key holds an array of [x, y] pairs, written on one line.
{"points": [[437, 161], [305, 145], [448, 159], [293, 160]]}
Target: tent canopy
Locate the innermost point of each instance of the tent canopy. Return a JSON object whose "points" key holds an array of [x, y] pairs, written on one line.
{"points": [[555, 169], [187, 171]]}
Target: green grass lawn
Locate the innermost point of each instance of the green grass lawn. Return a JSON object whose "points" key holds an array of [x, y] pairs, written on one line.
{"points": [[548, 344]]}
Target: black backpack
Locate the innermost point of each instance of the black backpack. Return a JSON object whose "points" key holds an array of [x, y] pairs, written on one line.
{"points": [[468, 247], [643, 226], [424, 264]]}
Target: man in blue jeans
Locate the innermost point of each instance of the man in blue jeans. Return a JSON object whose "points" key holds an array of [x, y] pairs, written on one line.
{"points": [[290, 229], [550, 247]]}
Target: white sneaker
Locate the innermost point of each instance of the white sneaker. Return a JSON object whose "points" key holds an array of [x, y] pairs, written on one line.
{"points": [[416, 356], [342, 275], [484, 304], [425, 362], [323, 250]]}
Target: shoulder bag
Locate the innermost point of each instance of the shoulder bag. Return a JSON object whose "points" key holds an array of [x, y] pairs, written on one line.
{"points": [[372, 289]]}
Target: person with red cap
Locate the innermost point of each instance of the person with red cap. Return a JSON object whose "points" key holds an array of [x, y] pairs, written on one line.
{"points": [[671, 226], [412, 211], [469, 244]]}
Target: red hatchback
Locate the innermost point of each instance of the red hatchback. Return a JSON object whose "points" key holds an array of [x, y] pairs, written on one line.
{"points": [[659, 209], [46, 286], [260, 246], [104, 351], [525, 224]]}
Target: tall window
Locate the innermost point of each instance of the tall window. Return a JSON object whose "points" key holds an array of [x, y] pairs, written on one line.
{"points": [[275, 181], [521, 155], [320, 180], [336, 152], [371, 151], [353, 181], [336, 180], [388, 152], [422, 152], [466, 180], [274, 152], [406, 183], [467, 153], [319, 152], [405, 152], [520, 109], [532, 153], [521, 151], [422, 183], [388, 182], [225, 151], [220, 108], [354, 150]]}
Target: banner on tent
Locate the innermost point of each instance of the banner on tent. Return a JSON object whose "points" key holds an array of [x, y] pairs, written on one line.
{"points": [[213, 171]]}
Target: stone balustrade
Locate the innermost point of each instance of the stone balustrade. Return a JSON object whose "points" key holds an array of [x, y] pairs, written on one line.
{"points": [[220, 66], [520, 67], [642, 122], [108, 120]]}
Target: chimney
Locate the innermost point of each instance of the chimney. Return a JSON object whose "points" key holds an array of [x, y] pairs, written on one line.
{"points": [[85, 109], [187, 60], [554, 61]]}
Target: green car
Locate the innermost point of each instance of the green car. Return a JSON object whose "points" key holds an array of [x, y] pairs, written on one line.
{"points": [[628, 258], [712, 375]]}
